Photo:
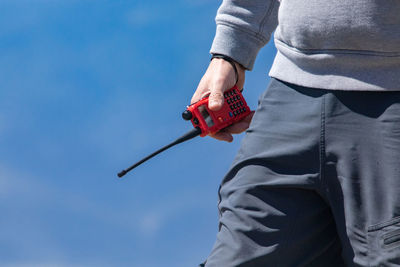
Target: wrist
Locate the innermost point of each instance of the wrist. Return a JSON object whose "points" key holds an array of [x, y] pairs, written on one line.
{"points": [[235, 65]]}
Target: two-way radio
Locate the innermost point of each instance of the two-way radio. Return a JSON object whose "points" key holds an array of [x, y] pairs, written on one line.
{"points": [[206, 121]]}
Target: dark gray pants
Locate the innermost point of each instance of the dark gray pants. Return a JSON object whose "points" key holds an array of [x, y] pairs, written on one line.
{"points": [[316, 182]]}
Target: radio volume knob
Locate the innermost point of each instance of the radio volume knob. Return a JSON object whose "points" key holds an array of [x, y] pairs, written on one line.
{"points": [[187, 115]]}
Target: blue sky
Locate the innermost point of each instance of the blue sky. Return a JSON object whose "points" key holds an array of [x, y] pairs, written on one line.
{"points": [[86, 89]]}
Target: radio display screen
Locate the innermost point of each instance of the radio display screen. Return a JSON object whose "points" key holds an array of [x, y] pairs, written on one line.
{"points": [[206, 116]]}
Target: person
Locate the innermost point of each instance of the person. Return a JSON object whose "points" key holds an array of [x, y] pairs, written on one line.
{"points": [[316, 181]]}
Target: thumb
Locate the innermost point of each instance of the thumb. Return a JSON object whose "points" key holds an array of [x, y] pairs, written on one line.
{"points": [[216, 98]]}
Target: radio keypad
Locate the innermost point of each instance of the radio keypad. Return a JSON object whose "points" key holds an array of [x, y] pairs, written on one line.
{"points": [[235, 103]]}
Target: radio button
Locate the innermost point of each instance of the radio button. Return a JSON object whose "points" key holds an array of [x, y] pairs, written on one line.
{"points": [[187, 115]]}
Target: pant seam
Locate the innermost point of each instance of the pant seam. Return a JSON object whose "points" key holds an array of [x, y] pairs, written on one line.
{"points": [[322, 143]]}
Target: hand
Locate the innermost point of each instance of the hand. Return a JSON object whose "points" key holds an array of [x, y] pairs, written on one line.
{"points": [[220, 77]]}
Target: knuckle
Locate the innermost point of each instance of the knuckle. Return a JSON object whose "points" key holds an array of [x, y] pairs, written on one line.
{"points": [[217, 94]]}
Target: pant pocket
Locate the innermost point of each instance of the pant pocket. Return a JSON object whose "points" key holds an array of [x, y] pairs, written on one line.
{"points": [[384, 243]]}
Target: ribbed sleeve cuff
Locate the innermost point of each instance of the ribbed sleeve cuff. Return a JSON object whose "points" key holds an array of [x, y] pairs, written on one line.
{"points": [[242, 46]]}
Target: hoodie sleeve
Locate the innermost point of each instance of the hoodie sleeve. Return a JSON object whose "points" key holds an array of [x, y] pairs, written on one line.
{"points": [[243, 28]]}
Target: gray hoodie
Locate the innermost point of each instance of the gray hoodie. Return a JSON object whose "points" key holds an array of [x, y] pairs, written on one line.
{"points": [[330, 44]]}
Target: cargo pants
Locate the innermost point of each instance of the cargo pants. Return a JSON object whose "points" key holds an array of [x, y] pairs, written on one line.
{"points": [[316, 182]]}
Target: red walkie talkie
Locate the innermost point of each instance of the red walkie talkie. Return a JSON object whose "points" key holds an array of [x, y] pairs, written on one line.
{"points": [[234, 109], [206, 121]]}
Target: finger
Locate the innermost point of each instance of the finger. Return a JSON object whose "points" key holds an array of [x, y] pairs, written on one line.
{"points": [[222, 136], [200, 92], [205, 94], [249, 117], [199, 96], [240, 126]]}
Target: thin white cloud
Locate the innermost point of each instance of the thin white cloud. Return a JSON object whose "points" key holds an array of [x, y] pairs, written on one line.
{"points": [[28, 191], [150, 224], [141, 16], [158, 217]]}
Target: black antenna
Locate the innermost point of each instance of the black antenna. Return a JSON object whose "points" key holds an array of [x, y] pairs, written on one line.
{"points": [[189, 135]]}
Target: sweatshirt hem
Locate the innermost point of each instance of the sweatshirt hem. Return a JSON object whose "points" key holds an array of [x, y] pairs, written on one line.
{"points": [[337, 69], [337, 51]]}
